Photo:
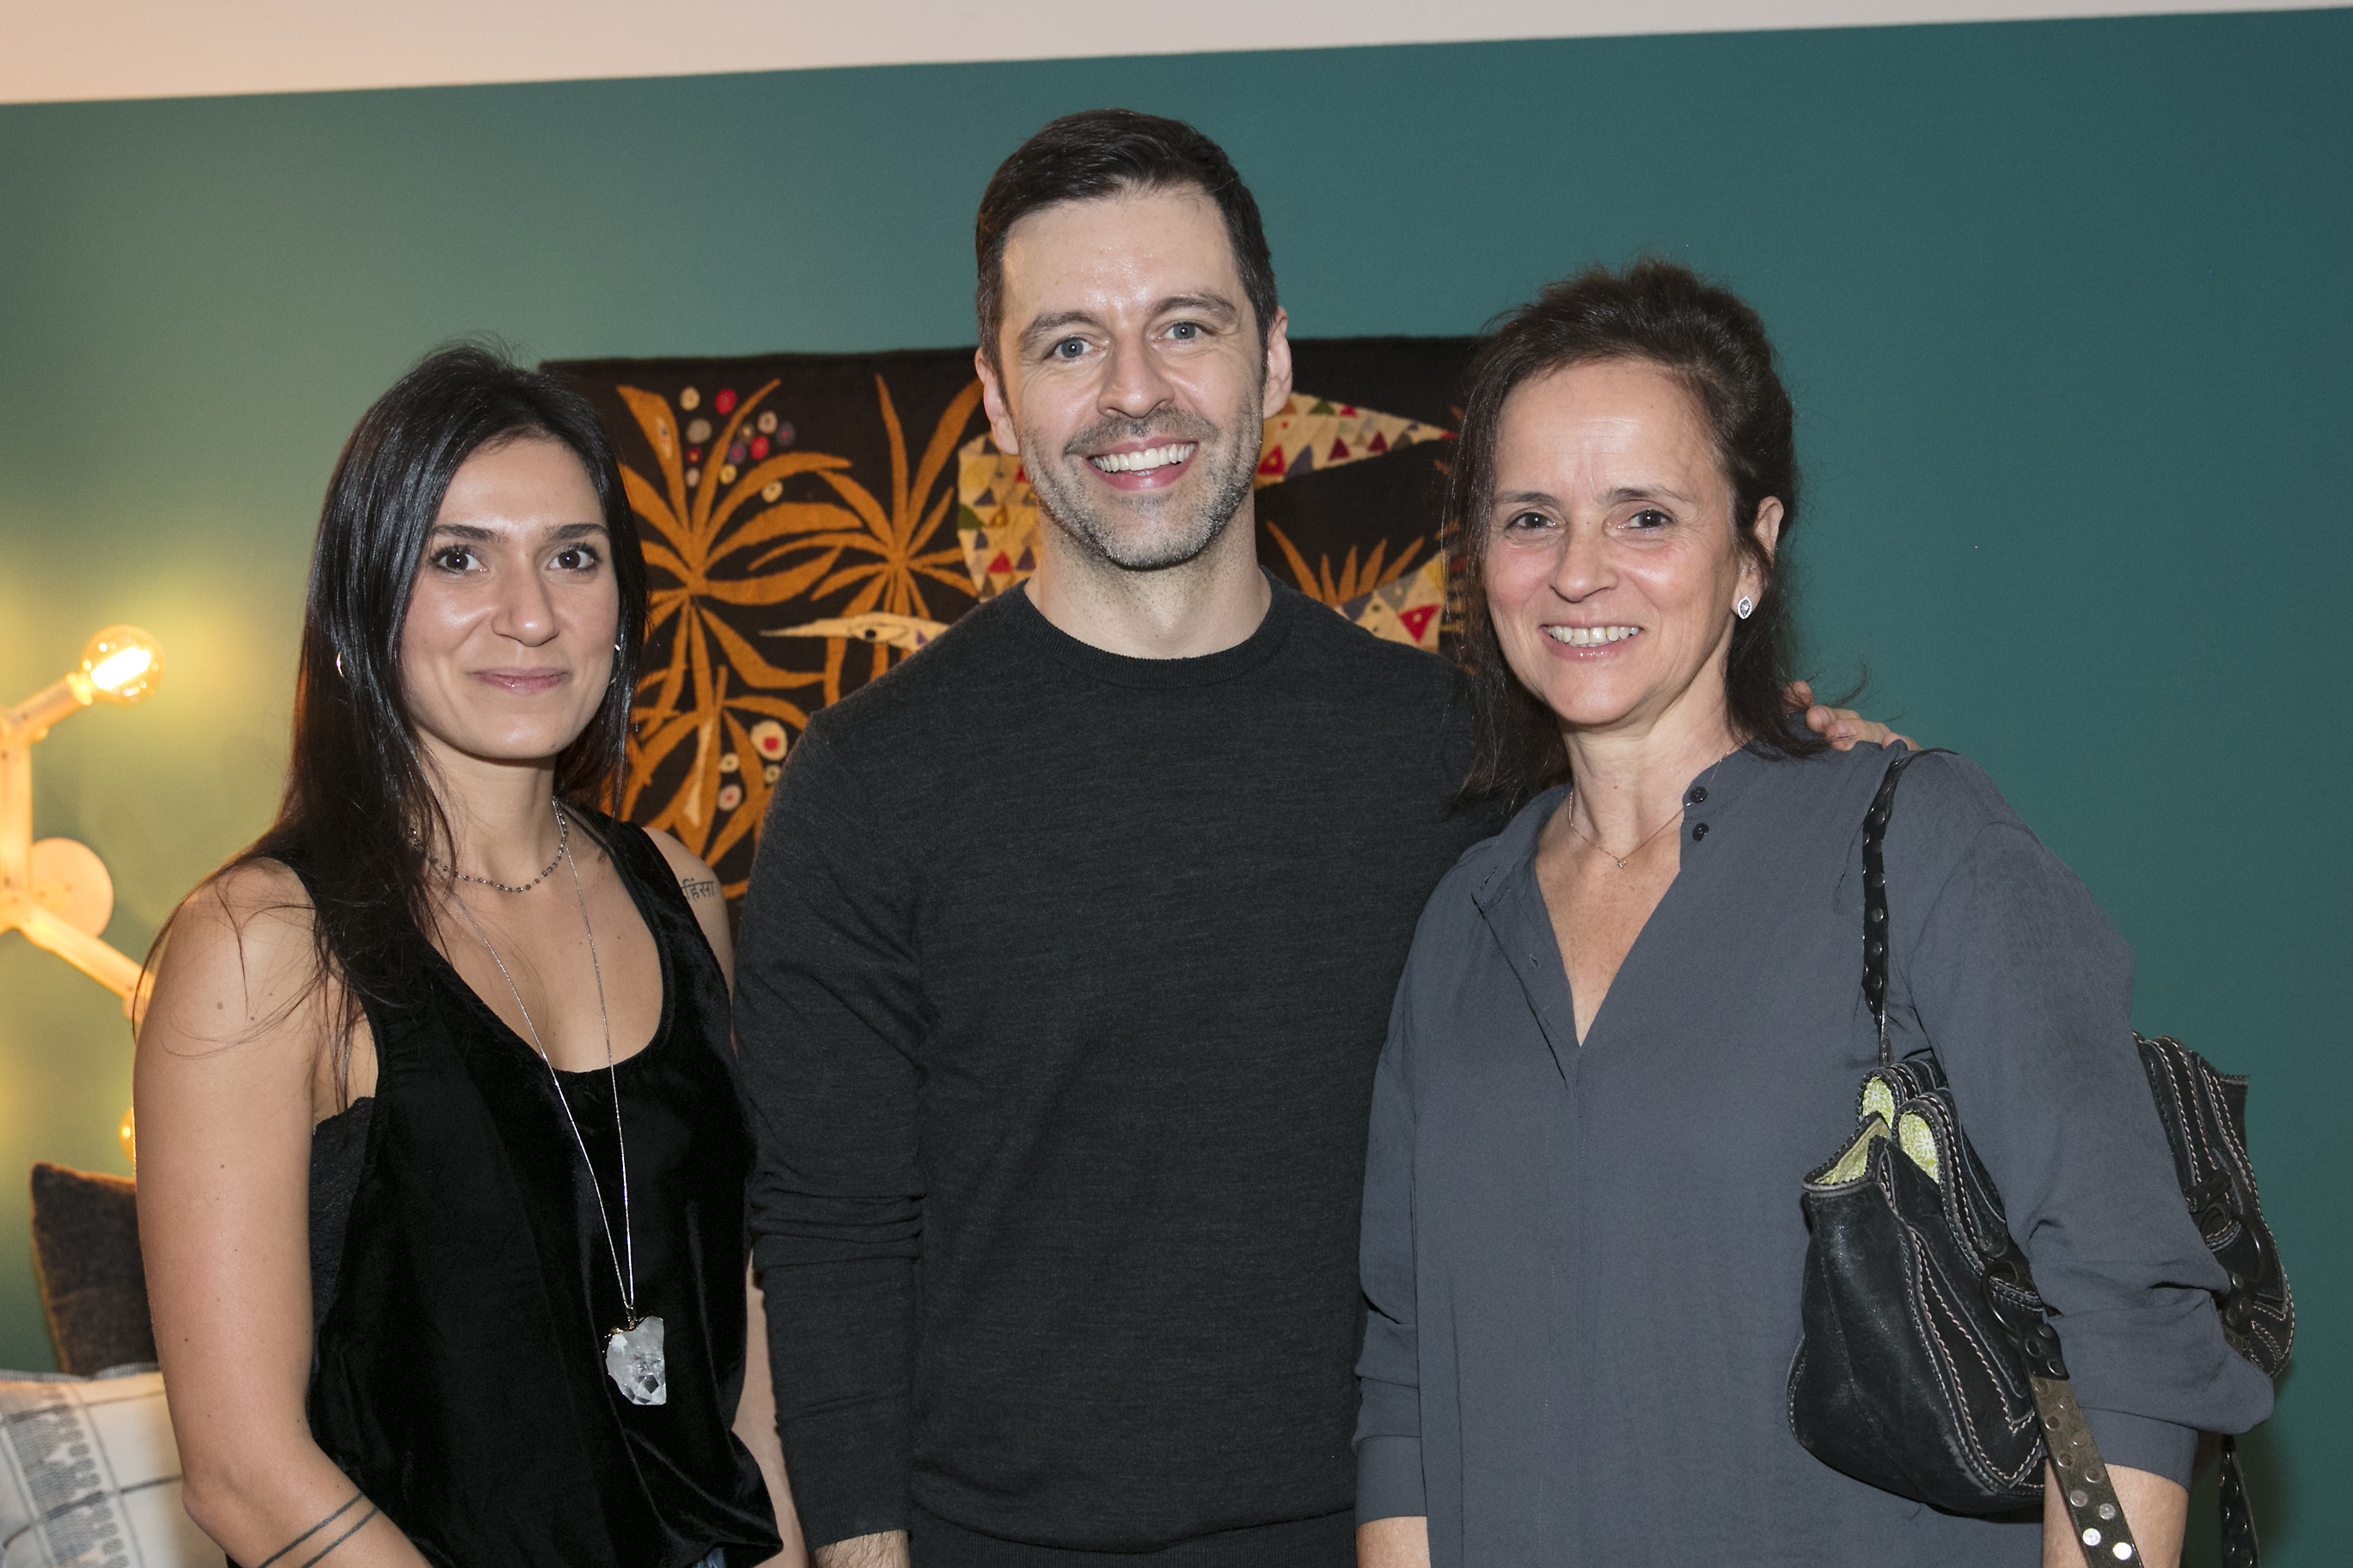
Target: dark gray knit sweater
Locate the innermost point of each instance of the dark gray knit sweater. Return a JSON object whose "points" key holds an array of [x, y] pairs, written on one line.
{"points": [[1062, 980]]}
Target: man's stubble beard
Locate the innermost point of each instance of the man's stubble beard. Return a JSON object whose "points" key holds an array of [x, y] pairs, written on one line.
{"points": [[1071, 507]]}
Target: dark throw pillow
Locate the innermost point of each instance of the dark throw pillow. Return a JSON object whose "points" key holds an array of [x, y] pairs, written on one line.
{"points": [[93, 1286]]}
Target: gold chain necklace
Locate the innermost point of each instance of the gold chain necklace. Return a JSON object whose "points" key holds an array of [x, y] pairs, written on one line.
{"points": [[1605, 849], [1681, 806]]}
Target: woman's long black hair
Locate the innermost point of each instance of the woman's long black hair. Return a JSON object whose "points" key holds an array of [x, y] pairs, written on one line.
{"points": [[359, 817], [1709, 339]]}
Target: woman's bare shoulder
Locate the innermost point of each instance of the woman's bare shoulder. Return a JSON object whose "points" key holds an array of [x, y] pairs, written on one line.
{"points": [[257, 905], [697, 881], [683, 862], [244, 943], [703, 894]]}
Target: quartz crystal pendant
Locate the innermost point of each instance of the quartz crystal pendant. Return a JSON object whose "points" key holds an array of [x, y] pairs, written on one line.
{"points": [[633, 1360]]}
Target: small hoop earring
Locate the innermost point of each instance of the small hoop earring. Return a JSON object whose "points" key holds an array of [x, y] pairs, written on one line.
{"points": [[1744, 607], [339, 664]]}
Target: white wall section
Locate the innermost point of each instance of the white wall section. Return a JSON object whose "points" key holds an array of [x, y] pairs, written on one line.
{"points": [[53, 51]]}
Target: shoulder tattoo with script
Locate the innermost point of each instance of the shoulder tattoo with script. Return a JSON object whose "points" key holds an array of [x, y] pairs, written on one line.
{"points": [[698, 886], [349, 1530]]}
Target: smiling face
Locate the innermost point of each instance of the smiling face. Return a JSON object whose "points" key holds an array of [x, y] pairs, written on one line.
{"points": [[1135, 379], [508, 645], [1611, 567]]}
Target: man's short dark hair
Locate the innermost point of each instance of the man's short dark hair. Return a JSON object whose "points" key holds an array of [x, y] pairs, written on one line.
{"points": [[1102, 152]]}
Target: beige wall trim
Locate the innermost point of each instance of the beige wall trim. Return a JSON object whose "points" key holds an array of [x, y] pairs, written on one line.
{"points": [[54, 50]]}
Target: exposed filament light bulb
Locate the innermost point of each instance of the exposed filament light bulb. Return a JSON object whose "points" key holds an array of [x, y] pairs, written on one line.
{"points": [[120, 664]]}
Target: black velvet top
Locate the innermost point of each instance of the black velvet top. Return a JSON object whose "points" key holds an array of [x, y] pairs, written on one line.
{"points": [[463, 1286]]}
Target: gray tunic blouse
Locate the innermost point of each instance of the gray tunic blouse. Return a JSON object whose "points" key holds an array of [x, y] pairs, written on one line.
{"points": [[1583, 1262]]}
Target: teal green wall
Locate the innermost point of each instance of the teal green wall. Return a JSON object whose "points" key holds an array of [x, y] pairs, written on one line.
{"points": [[2064, 307]]}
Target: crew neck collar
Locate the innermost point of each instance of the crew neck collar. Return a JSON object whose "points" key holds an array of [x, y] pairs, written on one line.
{"points": [[1282, 611]]}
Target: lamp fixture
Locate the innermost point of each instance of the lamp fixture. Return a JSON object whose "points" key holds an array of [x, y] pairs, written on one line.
{"points": [[57, 891]]}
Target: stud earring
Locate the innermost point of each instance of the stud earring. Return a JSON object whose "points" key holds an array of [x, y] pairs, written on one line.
{"points": [[1744, 606]]}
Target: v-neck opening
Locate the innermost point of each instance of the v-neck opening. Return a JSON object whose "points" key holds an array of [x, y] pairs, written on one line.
{"points": [[1540, 915], [1650, 922], [1544, 966], [661, 970], [1560, 955]]}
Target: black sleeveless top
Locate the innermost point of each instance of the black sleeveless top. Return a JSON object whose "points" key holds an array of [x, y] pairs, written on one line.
{"points": [[462, 1286]]}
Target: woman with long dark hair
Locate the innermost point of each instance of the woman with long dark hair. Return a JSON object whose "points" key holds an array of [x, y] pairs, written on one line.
{"points": [[441, 1158], [1634, 1020]]}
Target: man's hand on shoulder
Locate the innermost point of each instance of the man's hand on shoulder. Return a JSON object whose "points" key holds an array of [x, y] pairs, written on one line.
{"points": [[888, 1550], [1844, 728]]}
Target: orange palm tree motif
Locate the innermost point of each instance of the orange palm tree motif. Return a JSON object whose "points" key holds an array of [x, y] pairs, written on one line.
{"points": [[735, 539], [892, 579], [1353, 578]]}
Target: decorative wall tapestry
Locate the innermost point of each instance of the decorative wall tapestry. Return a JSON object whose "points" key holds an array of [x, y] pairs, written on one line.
{"points": [[811, 520]]}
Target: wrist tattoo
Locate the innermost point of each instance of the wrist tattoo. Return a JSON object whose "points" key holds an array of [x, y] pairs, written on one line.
{"points": [[699, 888], [351, 1503], [346, 1535]]}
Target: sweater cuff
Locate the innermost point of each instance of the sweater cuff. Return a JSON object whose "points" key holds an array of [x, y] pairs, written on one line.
{"points": [[2143, 1443], [848, 1470], [1389, 1479]]}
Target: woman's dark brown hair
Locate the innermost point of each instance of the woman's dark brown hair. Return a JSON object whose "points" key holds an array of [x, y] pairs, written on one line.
{"points": [[1709, 339], [359, 812]]}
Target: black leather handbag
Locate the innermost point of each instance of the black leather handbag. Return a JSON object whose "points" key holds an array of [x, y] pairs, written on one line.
{"points": [[1928, 1366]]}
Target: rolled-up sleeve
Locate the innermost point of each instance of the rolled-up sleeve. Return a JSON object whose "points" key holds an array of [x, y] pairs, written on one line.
{"points": [[2025, 990], [1388, 1423], [829, 1013]]}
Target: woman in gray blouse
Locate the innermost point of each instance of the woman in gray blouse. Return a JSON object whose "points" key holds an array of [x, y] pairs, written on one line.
{"points": [[1633, 1021]]}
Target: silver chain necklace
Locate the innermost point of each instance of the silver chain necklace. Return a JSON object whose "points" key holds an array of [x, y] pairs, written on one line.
{"points": [[633, 1353]]}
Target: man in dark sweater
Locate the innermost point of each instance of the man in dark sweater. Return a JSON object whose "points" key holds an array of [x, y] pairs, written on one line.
{"points": [[1069, 949]]}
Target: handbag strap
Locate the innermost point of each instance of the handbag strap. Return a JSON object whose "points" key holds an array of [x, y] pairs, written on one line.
{"points": [[2085, 1485], [1874, 896], [2240, 1548], [2086, 1489]]}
